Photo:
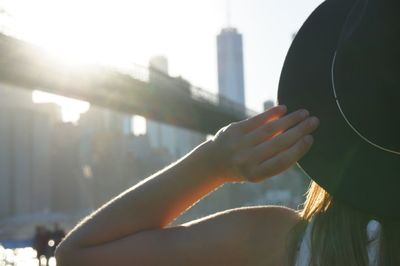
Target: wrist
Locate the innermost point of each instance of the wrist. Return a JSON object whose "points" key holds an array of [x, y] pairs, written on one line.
{"points": [[208, 161]]}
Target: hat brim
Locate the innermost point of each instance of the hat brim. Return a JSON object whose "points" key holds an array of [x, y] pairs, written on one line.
{"points": [[349, 168]]}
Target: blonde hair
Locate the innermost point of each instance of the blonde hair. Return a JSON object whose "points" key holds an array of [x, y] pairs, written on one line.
{"points": [[339, 235]]}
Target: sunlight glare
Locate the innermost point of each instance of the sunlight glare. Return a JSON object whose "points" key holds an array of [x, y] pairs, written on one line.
{"points": [[139, 125], [90, 31], [109, 32], [209, 137], [71, 109]]}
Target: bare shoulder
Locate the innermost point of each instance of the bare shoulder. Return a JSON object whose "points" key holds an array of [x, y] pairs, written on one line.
{"points": [[272, 212], [262, 215], [271, 229], [267, 230], [258, 217], [261, 232]]}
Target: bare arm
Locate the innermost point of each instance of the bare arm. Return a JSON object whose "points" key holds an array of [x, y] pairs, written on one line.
{"points": [[133, 224]]}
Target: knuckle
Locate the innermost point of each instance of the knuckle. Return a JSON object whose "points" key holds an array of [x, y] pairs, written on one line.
{"points": [[305, 143], [302, 128], [267, 128], [301, 146], [313, 122], [279, 142], [231, 147], [233, 127], [222, 132], [306, 125], [302, 114], [236, 129], [238, 160], [273, 126], [298, 115], [265, 131], [295, 117]]}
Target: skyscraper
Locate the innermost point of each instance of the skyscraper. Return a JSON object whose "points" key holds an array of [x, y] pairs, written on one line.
{"points": [[230, 65], [159, 63], [26, 130]]}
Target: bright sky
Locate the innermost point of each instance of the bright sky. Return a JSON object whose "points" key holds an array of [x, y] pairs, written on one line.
{"points": [[123, 31], [70, 108]]}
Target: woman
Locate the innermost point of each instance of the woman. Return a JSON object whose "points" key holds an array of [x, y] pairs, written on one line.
{"points": [[350, 218]]}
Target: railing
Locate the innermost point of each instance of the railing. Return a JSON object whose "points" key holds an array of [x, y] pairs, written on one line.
{"points": [[181, 86]]}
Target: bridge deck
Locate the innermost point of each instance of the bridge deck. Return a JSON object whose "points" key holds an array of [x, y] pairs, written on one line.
{"points": [[138, 90]]}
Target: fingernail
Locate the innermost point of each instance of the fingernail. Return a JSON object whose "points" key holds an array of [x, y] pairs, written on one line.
{"points": [[314, 121], [309, 139], [304, 113]]}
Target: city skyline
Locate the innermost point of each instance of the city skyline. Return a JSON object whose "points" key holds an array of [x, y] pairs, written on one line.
{"points": [[119, 31]]}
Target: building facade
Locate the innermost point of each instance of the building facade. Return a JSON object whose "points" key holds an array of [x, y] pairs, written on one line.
{"points": [[26, 132]]}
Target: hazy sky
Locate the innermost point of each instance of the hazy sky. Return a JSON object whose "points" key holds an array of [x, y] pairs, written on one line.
{"points": [[182, 30]]}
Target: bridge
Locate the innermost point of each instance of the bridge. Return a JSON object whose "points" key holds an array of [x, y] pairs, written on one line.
{"points": [[136, 89]]}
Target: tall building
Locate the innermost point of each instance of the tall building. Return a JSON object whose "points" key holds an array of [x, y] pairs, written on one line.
{"points": [[26, 131], [159, 63], [230, 65]]}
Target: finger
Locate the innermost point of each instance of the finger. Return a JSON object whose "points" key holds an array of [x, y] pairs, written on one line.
{"points": [[283, 160], [285, 140], [272, 128], [260, 119]]}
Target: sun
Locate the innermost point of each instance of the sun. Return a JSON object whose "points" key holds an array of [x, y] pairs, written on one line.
{"points": [[82, 31], [76, 32]]}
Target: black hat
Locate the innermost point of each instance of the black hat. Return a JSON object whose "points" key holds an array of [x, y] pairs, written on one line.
{"points": [[344, 67]]}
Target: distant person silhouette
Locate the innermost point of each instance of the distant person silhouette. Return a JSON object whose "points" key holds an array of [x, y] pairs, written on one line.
{"points": [[56, 235], [40, 242]]}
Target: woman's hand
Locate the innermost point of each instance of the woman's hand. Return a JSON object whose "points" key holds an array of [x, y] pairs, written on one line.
{"points": [[262, 146]]}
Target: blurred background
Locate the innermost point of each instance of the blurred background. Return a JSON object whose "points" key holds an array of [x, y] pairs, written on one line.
{"points": [[97, 95]]}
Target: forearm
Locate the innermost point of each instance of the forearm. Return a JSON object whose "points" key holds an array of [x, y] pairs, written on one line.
{"points": [[151, 204]]}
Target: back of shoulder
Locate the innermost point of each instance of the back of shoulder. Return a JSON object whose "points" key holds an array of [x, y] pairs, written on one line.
{"points": [[271, 230], [255, 235], [272, 213]]}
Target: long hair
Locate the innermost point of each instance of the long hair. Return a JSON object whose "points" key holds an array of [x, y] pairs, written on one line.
{"points": [[339, 233]]}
